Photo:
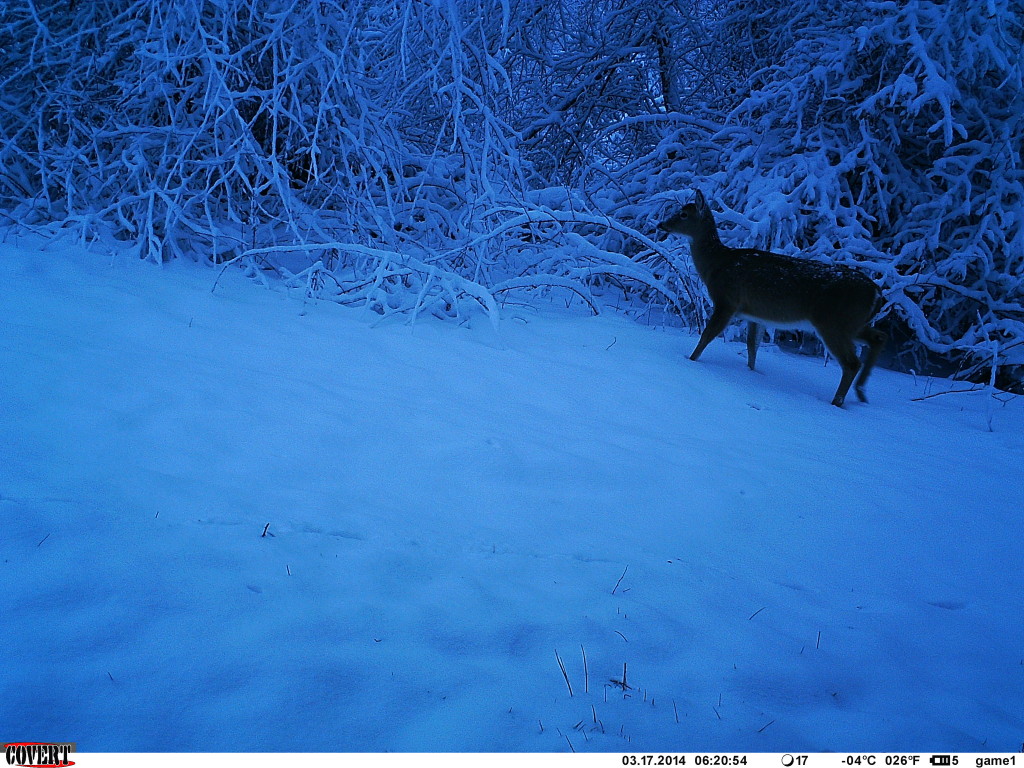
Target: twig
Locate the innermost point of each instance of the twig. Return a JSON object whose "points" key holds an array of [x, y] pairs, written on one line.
{"points": [[761, 729], [265, 528], [620, 634], [620, 579], [756, 612], [561, 666], [947, 392], [42, 540]]}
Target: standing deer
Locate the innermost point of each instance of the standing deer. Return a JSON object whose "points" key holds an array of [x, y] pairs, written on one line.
{"points": [[838, 302]]}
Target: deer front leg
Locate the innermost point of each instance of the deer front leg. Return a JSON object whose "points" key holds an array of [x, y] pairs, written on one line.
{"points": [[840, 345], [720, 318], [753, 339], [876, 340]]}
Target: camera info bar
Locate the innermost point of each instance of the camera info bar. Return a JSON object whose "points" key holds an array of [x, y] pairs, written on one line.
{"points": [[578, 758]]}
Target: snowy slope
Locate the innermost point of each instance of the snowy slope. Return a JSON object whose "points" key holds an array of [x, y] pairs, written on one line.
{"points": [[448, 507]]}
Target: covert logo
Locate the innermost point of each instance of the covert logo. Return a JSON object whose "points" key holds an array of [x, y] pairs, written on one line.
{"points": [[34, 754]]}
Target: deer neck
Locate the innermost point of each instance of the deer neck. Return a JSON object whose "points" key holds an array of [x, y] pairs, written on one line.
{"points": [[707, 250]]}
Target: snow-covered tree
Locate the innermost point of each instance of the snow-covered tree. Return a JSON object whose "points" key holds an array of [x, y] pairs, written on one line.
{"points": [[445, 155], [362, 151], [887, 134]]}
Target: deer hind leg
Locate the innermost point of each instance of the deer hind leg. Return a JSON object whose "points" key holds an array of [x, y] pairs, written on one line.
{"points": [[753, 339], [842, 349], [720, 318], [875, 340]]}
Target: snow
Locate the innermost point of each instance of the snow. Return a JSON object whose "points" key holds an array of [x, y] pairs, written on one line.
{"points": [[449, 506]]}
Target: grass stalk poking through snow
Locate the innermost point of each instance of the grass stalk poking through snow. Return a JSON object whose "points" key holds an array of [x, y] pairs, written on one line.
{"points": [[561, 666], [620, 579], [586, 673]]}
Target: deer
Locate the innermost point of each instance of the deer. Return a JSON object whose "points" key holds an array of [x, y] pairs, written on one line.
{"points": [[838, 302]]}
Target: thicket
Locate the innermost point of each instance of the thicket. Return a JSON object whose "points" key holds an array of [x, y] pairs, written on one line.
{"points": [[446, 156]]}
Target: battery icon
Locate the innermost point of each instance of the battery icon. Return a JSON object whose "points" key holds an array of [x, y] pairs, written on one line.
{"points": [[941, 760]]}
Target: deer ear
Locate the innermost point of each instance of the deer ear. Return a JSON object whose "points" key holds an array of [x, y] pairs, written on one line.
{"points": [[700, 202]]}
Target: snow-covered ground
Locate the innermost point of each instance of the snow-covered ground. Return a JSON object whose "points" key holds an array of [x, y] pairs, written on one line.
{"points": [[448, 507]]}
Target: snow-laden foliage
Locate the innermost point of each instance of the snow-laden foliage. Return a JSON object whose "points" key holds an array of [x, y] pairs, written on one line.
{"points": [[884, 134], [359, 150], [445, 156], [594, 79]]}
